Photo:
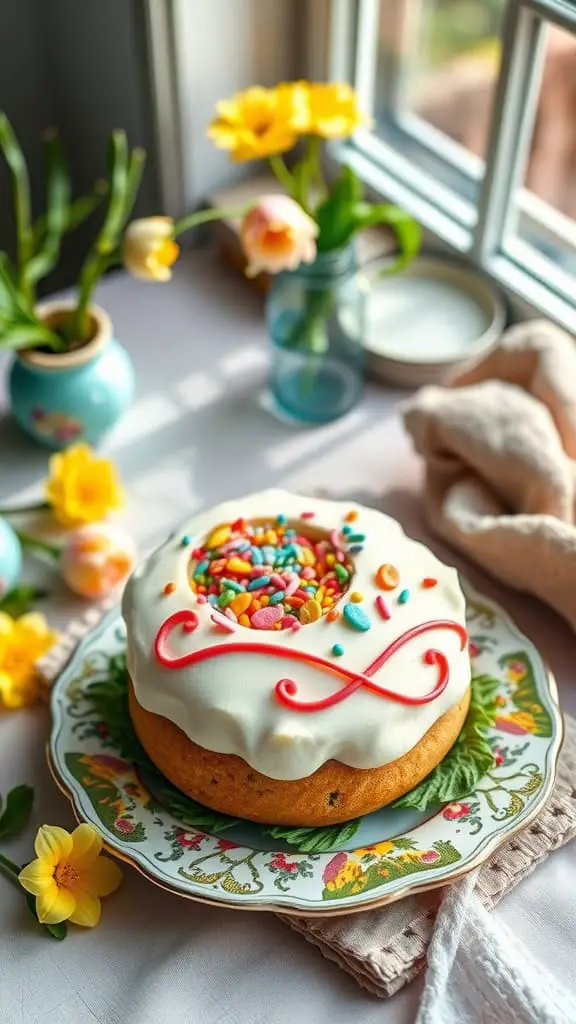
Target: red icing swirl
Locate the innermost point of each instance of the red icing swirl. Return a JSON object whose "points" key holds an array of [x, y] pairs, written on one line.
{"points": [[286, 689]]}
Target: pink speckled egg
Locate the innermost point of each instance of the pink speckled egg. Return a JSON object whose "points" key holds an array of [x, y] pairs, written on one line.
{"points": [[97, 559]]}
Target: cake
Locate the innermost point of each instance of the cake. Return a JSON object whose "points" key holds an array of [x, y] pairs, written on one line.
{"points": [[295, 661]]}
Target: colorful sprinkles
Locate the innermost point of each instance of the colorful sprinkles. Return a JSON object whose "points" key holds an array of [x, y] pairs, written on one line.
{"points": [[269, 575], [387, 577], [383, 609], [357, 618]]}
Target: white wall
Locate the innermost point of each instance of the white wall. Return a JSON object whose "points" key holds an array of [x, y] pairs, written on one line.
{"points": [[223, 46]]}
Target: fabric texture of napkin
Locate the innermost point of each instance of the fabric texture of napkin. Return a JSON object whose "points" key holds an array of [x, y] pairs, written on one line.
{"points": [[383, 949], [499, 444]]}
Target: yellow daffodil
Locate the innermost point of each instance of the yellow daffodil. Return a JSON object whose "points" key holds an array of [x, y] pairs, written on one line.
{"points": [[149, 249], [69, 876], [333, 111], [22, 642], [82, 488], [260, 122]]}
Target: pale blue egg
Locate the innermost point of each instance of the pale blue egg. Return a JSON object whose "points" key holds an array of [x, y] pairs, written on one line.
{"points": [[10, 557]]}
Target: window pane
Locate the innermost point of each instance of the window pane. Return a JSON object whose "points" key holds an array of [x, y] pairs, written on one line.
{"points": [[544, 214], [437, 66]]}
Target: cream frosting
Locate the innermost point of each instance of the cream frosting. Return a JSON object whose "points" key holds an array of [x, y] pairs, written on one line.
{"points": [[228, 704]]}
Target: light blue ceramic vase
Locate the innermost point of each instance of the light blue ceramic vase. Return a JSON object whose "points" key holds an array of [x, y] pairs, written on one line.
{"points": [[61, 399], [10, 558]]}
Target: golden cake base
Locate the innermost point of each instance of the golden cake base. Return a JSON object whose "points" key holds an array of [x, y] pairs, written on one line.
{"points": [[332, 794]]}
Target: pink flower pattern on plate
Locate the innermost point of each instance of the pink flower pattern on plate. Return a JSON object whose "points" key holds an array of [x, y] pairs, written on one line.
{"points": [[454, 811], [124, 825]]}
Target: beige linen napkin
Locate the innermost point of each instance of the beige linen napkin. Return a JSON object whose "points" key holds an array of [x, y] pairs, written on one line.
{"points": [[499, 445], [384, 949]]}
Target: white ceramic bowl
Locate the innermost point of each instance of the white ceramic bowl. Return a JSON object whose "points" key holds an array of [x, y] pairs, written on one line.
{"points": [[428, 320]]}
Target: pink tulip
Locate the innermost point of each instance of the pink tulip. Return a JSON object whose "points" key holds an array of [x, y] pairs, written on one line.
{"points": [[277, 235]]}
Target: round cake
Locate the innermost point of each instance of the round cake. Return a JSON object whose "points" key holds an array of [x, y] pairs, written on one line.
{"points": [[295, 661]]}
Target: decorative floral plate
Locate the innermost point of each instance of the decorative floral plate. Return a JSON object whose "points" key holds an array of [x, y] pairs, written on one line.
{"points": [[394, 851]]}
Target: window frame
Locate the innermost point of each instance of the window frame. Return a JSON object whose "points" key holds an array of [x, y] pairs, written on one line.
{"points": [[481, 231]]}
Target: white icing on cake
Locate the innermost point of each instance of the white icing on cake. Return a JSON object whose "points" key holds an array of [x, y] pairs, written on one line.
{"points": [[228, 704]]}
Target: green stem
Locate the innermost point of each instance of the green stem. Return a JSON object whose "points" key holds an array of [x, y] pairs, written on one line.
{"points": [[40, 506], [193, 220], [35, 544], [316, 172], [10, 868], [91, 271], [281, 173], [504, 778], [125, 174]]}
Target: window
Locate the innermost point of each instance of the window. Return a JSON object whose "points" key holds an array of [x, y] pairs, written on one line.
{"points": [[474, 129]]}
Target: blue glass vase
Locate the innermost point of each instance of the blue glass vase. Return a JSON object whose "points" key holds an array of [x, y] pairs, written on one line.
{"points": [[316, 322], [60, 399]]}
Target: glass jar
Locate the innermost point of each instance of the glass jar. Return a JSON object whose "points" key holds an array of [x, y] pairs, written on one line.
{"points": [[316, 323]]}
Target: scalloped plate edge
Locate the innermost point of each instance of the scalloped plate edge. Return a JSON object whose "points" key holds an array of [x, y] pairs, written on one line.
{"points": [[299, 910]]}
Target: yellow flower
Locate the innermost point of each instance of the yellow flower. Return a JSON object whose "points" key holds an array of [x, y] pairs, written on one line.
{"points": [[82, 488], [22, 642], [149, 249], [69, 875], [524, 719], [350, 872], [378, 848], [260, 122], [333, 110]]}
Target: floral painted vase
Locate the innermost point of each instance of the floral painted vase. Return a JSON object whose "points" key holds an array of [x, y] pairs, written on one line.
{"points": [[62, 398], [10, 558]]}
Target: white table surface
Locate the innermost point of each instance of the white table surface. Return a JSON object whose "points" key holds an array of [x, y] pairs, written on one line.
{"points": [[196, 435]]}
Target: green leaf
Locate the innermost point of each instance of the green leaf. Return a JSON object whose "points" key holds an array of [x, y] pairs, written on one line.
{"points": [[20, 600], [17, 811], [15, 306], [134, 177], [21, 189], [118, 164], [334, 216], [407, 231], [19, 336], [78, 211], [57, 931], [469, 759], [191, 813], [316, 840], [57, 203]]}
